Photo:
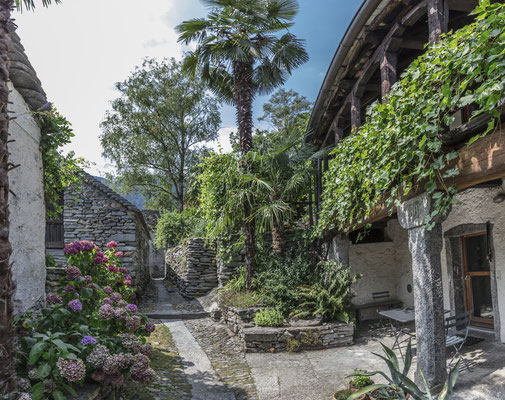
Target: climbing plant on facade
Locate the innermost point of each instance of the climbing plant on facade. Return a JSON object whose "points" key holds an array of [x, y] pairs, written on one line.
{"points": [[400, 147]]}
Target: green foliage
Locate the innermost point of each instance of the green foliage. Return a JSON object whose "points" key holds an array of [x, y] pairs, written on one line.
{"points": [[155, 131], [269, 317], [400, 148], [241, 32], [292, 345], [360, 379], [30, 4], [286, 111], [60, 171], [237, 283], [399, 386], [245, 299], [279, 275], [173, 227], [330, 297], [73, 316]]}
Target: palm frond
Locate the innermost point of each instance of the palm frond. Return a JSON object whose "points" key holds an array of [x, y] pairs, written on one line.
{"points": [[30, 4]]}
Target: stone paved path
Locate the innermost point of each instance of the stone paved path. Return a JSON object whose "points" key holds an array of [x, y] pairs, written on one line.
{"points": [[205, 384]]}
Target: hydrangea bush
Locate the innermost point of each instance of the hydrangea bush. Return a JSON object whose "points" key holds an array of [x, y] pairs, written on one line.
{"points": [[90, 330]]}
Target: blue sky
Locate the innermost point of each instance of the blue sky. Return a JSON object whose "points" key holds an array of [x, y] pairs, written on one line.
{"points": [[82, 47]]}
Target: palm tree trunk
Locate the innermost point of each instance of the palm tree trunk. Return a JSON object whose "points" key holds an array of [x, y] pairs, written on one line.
{"points": [[7, 370], [243, 97], [277, 237]]}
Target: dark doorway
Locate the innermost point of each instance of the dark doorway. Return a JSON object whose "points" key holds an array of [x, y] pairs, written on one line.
{"points": [[477, 275]]}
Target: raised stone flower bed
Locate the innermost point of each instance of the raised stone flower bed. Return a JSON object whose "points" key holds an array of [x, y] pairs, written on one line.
{"points": [[295, 336]]}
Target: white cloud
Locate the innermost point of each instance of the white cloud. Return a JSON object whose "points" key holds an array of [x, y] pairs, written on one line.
{"points": [[223, 142], [82, 47]]}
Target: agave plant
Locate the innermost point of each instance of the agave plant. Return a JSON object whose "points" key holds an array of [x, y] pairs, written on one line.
{"points": [[400, 386]]}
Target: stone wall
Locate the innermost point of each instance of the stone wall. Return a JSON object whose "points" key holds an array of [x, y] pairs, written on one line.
{"points": [[263, 339], [94, 212], [26, 206], [53, 279], [193, 267], [385, 267], [296, 335]]}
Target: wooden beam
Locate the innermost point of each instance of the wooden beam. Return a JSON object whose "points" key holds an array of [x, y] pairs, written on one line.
{"points": [[438, 19], [462, 5], [355, 111], [339, 129], [412, 44], [388, 64]]}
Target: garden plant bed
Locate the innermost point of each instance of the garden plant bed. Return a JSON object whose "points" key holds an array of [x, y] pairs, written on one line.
{"points": [[302, 335]]}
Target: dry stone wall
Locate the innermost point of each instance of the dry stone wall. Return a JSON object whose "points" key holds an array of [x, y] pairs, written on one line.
{"points": [[94, 212], [193, 267]]}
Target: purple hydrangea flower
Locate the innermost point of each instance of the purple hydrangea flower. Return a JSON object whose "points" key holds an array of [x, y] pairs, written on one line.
{"points": [[106, 300], [71, 370], [88, 278], [112, 245], [87, 246], [88, 340], [133, 323], [108, 290], [123, 270], [128, 277], [53, 298], [115, 297], [120, 313], [106, 312], [72, 273], [75, 305], [150, 327], [132, 307], [69, 289], [133, 296], [112, 268]]}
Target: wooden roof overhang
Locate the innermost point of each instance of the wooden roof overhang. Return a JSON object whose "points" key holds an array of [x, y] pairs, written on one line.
{"points": [[383, 39]]}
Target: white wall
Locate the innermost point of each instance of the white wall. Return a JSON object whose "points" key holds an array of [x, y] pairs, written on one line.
{"points": [[384, 266], [27, 209], [476, 206]]}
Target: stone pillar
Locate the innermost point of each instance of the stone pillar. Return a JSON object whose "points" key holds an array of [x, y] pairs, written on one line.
{"points": [[426, 247], [339, 250]]}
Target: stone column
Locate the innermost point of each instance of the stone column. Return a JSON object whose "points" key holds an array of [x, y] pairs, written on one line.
{"points": [[339, 250], [426, 247]]}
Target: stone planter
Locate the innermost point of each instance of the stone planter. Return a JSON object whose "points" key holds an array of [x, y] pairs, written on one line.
{"points": [[302, 335]]}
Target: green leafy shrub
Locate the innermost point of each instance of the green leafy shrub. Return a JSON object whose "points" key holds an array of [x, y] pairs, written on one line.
{"points": [[330, 297], [400, 144], [89, 330], [173, 227], [292, 345], [244, 299], [269, 317]]}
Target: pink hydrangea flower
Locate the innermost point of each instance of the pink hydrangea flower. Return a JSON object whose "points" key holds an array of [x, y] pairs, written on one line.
{"points": [[128, 282], [112, 245], [112, 268], [119, 254]]}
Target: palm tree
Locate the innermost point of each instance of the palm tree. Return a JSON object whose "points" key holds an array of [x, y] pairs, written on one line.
{"points": [[240, 56], [7, 372]]}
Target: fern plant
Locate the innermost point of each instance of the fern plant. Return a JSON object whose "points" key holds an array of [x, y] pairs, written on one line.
{"points": [[331, 296]]}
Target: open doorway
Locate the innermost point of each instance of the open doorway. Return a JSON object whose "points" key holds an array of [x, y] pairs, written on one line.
{"points": [[477, 275]]}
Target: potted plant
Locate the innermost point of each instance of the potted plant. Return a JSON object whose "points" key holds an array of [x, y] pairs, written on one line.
{"points": [[360, 379], [400, 386]]}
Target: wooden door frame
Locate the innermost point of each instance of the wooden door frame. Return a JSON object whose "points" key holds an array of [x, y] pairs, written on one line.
{"points": [[478, 321]]}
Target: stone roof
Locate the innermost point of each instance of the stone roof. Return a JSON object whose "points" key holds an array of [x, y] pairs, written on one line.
{"points": [[116, 197], [23, 75]]}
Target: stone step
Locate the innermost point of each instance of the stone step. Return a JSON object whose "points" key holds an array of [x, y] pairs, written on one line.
{"points": [[174, 315]]}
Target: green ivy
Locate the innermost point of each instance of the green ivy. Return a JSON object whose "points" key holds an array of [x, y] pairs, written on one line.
{"points": [[60, 171], [400, 148]]}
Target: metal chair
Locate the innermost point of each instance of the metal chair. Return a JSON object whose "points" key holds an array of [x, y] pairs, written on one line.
{"points": [[380, 296], [453, 325]]}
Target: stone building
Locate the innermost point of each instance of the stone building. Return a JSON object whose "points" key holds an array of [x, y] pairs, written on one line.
{"points": [[93, 211], [459, 265], [26, 202]]}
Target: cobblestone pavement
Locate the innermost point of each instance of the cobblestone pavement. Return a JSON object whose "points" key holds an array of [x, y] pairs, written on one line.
{"points": [[171, 382], [226, 356]]}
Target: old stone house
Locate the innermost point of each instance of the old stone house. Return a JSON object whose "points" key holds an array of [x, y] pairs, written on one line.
{"points": [[459, 265], [26, 202], [93, 211]]}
